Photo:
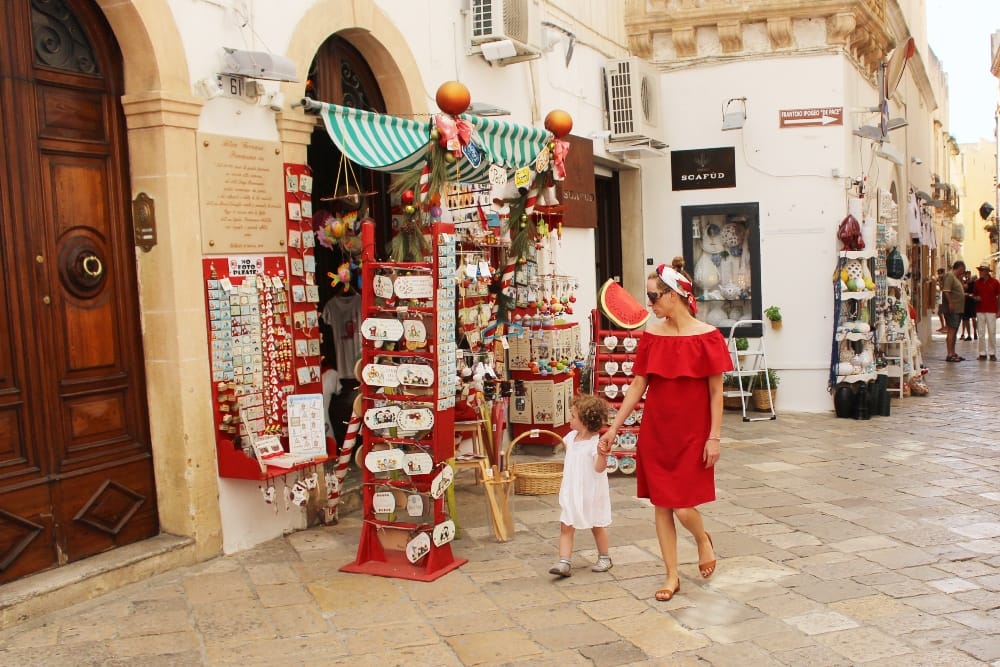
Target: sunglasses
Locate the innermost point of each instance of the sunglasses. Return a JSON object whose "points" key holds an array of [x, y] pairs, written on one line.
{"points": [[653, 297]]}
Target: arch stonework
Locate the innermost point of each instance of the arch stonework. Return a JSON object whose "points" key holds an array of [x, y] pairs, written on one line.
{"points": [[161, 115], [372, 32]]}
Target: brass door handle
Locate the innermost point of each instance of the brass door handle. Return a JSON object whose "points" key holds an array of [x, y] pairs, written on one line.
{"points": [[92, 266]]}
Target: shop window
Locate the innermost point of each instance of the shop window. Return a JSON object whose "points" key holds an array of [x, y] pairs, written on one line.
{"points": [[722, 255]]}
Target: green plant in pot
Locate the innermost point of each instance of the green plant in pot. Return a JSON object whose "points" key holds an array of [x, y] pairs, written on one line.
{"points": [[773, 314], [742, 344], [762, 399]]}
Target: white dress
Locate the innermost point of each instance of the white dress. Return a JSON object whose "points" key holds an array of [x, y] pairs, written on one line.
{"points": [[584, 496]]}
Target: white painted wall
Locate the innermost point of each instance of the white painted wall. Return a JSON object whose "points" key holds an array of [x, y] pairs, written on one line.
{"points": [[789, 173], [435, 35]]}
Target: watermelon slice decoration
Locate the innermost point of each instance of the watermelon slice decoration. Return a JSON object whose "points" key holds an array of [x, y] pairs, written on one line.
{"points": [[621, 307]]}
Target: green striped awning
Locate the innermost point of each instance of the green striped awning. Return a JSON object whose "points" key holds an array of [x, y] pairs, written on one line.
{"points": [[397, 145]]}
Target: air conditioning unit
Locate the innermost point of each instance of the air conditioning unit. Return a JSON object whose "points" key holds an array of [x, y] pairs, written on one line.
{"points": [[505, 31], [633, 99]]}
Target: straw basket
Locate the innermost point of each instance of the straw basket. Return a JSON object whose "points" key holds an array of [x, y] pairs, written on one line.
{"points": [[762, 399], [732, 403], [538, 478]]}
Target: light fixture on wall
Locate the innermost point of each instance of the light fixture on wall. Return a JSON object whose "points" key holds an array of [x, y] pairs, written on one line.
{"points": [[916, 160], [734, 113], [210, 87]]}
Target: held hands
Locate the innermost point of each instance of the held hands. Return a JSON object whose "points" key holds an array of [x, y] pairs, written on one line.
{"points": [[604, 444]]}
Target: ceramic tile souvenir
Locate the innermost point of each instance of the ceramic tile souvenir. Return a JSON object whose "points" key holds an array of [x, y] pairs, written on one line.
{"points": [[380, 375], [414, 287], [382, 329], [415, 419], [381, 417], [444, 532], [415, 375], [382, 286], [442, 481], [384, 460], [418, 463], [383, 502], [418, 547]]}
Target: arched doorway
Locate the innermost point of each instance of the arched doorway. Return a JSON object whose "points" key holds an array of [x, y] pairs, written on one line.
{"points": [[76, 474], [340, 74]]}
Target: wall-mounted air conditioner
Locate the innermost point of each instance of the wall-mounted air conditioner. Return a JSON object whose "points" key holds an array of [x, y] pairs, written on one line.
{"points": [[633, 100], [505, 31]]}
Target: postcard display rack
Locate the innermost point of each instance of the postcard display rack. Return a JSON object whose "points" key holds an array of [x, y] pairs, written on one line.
{"points": [[408, 371], [614, 355], [264, 346]]}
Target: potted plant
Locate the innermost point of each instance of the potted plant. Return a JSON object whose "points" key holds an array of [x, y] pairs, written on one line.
{"points": [[762, 399], [742, 344], [731, 383], [773, 313]]}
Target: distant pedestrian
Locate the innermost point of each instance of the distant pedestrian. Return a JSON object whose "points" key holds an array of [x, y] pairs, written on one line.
{"points": [[954, 305], [584, 494], [986, 294], [940, 301], [969, 329]]}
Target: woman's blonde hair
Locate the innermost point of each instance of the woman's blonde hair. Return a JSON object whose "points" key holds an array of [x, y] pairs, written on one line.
{"points": [[592, 411]]}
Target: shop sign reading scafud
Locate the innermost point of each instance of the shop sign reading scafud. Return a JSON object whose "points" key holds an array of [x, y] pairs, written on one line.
{"points": [[703, 168]]}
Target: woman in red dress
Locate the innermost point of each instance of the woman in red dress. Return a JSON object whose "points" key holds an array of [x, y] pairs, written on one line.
{"points": [[679, 365]]}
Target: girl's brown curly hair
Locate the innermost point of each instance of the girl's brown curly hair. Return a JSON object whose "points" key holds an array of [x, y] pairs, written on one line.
{"points": [[592, 411]]}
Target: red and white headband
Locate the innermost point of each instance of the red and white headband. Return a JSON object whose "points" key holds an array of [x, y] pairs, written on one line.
{"points": [[678, 283]]}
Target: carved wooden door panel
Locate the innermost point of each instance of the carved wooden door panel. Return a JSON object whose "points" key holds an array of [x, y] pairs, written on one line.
{"points": [[76, 473]]}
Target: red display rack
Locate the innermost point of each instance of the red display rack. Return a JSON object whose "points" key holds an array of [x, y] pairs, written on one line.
{"points": [[382, 549], [611, 367]]}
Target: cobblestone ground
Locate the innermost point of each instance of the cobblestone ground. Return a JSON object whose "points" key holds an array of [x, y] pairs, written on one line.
{"points": [[840, 542]]}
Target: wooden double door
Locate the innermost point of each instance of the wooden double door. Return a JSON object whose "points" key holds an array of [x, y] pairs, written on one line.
{"points": [[76, 474]]}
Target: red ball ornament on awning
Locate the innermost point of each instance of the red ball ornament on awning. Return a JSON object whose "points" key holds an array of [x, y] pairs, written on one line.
{"points": [[453, 97], [559, 123]]}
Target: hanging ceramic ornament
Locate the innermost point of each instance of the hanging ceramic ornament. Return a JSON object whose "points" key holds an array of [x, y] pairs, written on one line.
{"points": [[383, 502], [415, 504], [444, 533], [418, 463], [442, 481], [418, 547]]}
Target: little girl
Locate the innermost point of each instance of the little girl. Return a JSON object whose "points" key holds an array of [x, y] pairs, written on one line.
{"points": [[584, 496]]}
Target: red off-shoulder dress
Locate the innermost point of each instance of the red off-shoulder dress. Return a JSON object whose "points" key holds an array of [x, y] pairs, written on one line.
{"points": [[676, 417]]}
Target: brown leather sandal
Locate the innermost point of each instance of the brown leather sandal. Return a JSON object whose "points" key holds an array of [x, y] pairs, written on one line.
{"points": [[708, 567], [665, 594]]}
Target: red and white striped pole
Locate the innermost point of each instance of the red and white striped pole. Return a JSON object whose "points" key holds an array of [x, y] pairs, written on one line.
{"points": [[343, 461]]}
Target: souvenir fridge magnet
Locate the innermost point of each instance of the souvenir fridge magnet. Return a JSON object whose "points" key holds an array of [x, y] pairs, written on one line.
{"points": [[418, 547]]}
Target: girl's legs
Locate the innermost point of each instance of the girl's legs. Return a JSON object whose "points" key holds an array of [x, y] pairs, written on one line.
{"points": [[666, 535], [691, 519], [566, 541], [600, 539], [563, 566]]}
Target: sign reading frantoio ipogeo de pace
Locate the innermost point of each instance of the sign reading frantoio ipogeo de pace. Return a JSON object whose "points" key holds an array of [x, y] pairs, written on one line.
{"points": [[240, 186]]}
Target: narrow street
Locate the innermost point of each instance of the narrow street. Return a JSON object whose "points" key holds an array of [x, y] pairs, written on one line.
{"points": [[840, 542]]}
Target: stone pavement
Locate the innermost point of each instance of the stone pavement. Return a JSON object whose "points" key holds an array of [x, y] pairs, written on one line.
{"points": [[841, 542]]}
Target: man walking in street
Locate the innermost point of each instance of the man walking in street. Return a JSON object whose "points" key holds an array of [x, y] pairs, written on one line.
{"points": [[986, 294], [953, 294]]}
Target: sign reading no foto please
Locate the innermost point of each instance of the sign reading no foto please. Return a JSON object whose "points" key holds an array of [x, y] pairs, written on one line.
{"points": [[815, 117]]}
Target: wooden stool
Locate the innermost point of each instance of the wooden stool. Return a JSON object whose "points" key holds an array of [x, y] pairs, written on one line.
{"points": [[473, 429]]}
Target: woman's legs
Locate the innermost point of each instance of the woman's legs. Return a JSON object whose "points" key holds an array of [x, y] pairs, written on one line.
{"points": [[691, 519], [666, 535]]}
